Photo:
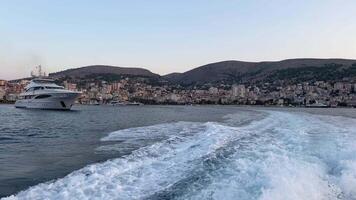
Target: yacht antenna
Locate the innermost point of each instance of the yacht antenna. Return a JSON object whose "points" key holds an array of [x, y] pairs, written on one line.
{"points": [[38, 72]]}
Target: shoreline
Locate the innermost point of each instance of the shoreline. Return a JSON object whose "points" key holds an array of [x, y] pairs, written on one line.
{"points": [[238, 105], [7, 102]]}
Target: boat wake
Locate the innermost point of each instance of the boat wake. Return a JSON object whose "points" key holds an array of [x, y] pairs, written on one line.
{"points": [[279, 156]]}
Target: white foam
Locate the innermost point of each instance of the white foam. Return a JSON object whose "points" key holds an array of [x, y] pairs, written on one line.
{"points": [[294, 159], [144, 172], [282, 156], [294, 179]]}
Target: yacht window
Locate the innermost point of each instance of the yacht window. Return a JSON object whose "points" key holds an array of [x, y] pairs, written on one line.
{"points": [[43, 96], [28, 96], [54, 87], [37, 88]]}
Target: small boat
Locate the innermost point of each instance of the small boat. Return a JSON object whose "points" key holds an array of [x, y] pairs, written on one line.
{"points": [[316, 105], [134, 104], [45, 94], [117, 103]]}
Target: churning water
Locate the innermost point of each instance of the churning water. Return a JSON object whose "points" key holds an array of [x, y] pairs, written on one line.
{"points": [[247, 154]]}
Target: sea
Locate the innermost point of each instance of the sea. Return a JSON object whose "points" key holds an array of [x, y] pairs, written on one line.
{"points": [[178, 152]]}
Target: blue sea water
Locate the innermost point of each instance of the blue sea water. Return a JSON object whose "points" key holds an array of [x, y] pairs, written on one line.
{"points": [[178, 152]]}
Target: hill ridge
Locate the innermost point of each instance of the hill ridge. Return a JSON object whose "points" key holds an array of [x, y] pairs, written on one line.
{"points": [[249, 71], [227, 71], [104, 69]]}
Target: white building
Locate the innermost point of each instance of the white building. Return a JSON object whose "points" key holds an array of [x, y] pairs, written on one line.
{"points": [[2, 92], [213, 90], [238, 90], [338, 86]]}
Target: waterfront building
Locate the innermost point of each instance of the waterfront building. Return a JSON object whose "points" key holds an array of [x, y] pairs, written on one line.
{"points": [[2, 93], [70, 86], [3, 83], [238, 90]]}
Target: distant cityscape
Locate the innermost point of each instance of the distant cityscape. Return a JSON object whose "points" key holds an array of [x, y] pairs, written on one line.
{"points": [[279, 93]]}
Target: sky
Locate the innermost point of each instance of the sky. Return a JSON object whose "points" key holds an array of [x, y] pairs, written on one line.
{"points": [[169, 36]]}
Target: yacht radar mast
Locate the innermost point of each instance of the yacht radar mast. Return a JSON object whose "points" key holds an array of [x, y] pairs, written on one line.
{"points": [[38, 73]]}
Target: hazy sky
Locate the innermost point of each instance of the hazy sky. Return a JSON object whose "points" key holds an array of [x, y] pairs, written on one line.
{"points": [[167, 36]]}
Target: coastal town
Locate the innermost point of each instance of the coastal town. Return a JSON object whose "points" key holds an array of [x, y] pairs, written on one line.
{"points": [[308, 94]]}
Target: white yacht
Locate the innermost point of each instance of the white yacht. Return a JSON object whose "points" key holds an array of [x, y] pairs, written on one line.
{"points": [[45, 94]]}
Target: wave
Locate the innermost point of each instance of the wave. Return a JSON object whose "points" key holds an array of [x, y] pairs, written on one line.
{"points": [[278, 156]]}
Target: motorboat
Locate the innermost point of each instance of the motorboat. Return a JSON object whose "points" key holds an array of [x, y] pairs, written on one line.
{"points": [[126, 103], [43, 93]]}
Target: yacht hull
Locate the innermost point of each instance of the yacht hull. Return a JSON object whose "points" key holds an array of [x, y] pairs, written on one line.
{"points": [[53, 103]]}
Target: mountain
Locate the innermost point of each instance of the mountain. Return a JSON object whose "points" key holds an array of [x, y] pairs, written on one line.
{"points": [[297, 70], [172, 77], [95, 70], [239, 71]]}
